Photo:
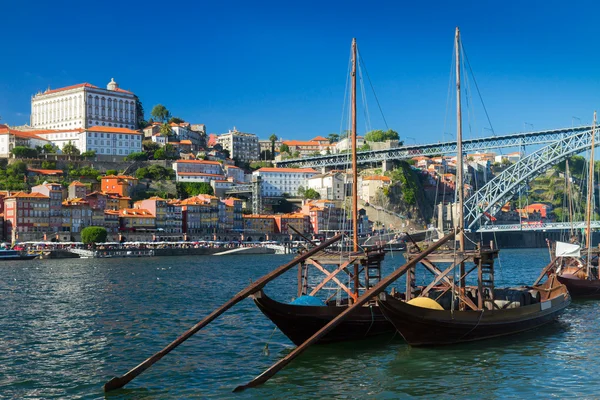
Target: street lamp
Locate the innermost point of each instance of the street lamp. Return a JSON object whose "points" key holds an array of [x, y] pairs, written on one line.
{"points": [[573, 118], [527, 123]]}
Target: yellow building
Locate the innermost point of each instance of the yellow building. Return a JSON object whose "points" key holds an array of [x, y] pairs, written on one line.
{"points": [[258, 224], [135, 219]]}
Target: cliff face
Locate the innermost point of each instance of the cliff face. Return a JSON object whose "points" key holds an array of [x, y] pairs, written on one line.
{"points": [[406, 196]]}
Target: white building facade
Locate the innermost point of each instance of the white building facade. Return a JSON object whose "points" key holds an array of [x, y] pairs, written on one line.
{"points": [[101, 139], [198, 171], [241, 146], [83, 106], [331, 186], [277, 181]]}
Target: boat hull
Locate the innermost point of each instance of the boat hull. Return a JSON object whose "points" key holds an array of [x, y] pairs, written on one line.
{"points": [[299, 322], [426, 327], [19, 257], [581, 288]]}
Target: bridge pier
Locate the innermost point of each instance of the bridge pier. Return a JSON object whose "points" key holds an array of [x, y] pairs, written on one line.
{"points": [[386, 165]]}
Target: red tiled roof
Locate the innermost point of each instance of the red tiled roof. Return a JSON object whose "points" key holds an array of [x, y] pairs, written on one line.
{"points": [[122, 91], [112, 129], [29, 195], [186, 141], [77, 183], [198, 162], [271, 169], [319, 138], [89, 85], [198, 174], [301, 143], [377, 178], [45, 171]]}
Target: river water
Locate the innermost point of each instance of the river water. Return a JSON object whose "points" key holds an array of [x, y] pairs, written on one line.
{"points": [[67, 326]]}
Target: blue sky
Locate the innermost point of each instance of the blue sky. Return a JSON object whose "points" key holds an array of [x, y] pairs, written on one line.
{"points": [[280, 67]]}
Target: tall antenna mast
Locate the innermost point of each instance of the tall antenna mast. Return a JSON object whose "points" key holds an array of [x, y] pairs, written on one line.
{"points": [[354, 166]]}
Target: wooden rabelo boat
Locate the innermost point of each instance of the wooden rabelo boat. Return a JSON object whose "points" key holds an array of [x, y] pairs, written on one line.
{"points": [[576, 271], [448, 311], [440, 313], [352, 273]]}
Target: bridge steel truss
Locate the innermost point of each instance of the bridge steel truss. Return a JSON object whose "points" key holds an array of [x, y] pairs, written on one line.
{"points": [[539, 226], [405, 152], [494, 194]]}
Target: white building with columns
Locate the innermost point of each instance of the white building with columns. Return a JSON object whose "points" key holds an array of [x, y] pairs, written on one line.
{"points": [[83, 106]]}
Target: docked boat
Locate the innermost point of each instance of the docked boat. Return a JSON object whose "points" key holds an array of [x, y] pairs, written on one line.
{"points": [[10, 255], [351, 273], [580, 273], [447, 311]]}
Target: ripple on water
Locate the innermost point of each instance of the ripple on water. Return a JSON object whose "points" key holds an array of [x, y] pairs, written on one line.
{"points": [[67, 326]]}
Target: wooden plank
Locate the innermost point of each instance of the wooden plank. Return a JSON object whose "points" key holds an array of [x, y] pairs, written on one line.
{"points": [[438, 278], [336, 280], [362, 300], [329, 277], [119, 382], [460, 293]]}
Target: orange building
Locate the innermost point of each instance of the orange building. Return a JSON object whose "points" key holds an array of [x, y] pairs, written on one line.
{"points": [[121, 185]]}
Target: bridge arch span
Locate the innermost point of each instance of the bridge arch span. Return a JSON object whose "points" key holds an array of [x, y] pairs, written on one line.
{"points": [[494, 194]]}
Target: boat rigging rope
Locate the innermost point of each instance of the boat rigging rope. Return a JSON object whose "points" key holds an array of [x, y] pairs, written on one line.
{"points": [[361, 62], [476, 325], [266, 351], [372, 319], [477, 87]]}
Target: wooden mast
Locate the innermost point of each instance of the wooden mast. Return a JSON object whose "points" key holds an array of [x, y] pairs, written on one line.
{"points": [[590, 197], [354, 173], [459, 162], [354, 165], [568, 184]]}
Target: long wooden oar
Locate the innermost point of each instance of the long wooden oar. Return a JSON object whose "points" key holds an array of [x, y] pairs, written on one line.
{"points": [[119, 382], [374, 291]]}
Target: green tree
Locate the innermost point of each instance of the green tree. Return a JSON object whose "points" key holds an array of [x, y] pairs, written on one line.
{"points": [[273, 139], [284, 149], [190, 189], [311, 194], [94, 234], [70, 149], [49, 164], [111, 172], [142, 173], [49, 148], [381, 136], [139, 156], [296, 154], [150, 146], [160, 113], [89, 154], [16, 168], [24, 152], [301, 191], [333, 137], [166, 130], [176, 120], [168, 152], [139, 110]]}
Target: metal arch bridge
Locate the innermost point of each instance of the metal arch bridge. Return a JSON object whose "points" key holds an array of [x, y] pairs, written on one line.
{"points": [[494, 194], [541, 226], [405, 152]]}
